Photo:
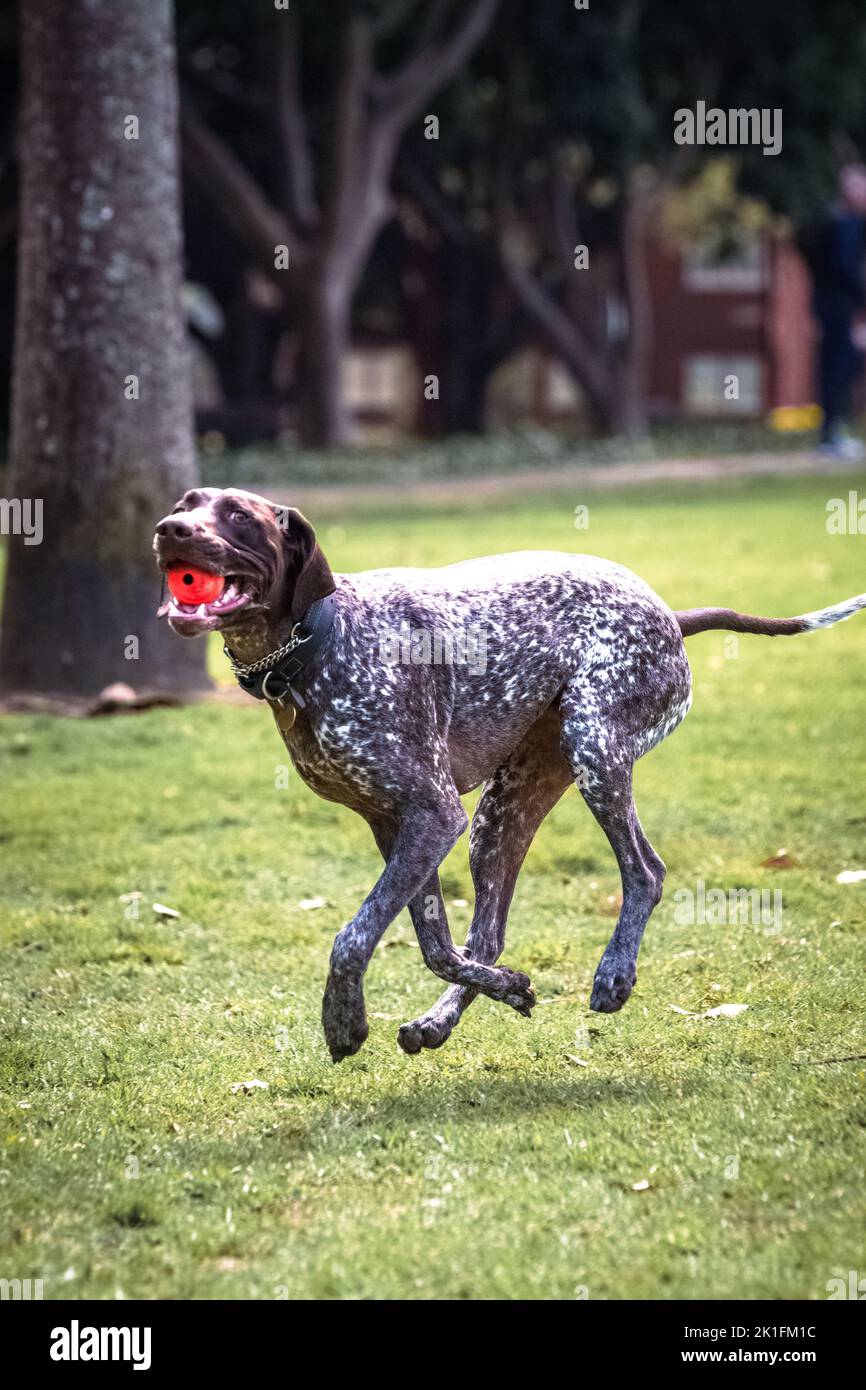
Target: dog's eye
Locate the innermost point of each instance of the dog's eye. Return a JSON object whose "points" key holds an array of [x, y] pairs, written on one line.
{"points": [[240, 517]]}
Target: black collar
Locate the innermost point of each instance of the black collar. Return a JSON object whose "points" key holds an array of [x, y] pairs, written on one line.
{"points": [[271, 677]]}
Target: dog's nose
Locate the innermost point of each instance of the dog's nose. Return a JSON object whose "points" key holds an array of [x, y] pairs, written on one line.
{"points": [[176, 528]]}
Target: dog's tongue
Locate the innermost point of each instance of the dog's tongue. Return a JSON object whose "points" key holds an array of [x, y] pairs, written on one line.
{"points": [[191, 585]]}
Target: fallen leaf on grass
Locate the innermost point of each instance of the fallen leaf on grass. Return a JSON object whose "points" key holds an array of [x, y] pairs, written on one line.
{"points": [[851, 876], [248, 1087], [780, 860], [720, 1011]]}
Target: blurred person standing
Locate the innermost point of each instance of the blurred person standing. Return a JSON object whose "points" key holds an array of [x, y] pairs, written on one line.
{"points": [[837, 258]]}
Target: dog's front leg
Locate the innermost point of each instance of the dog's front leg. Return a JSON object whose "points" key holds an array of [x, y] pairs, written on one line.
{"points": [[422, 840]]}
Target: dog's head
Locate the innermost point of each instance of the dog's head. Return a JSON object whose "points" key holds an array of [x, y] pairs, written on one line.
{"points": [[268, 555]]}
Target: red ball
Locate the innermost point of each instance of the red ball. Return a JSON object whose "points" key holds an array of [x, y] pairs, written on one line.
{"points": [[191, 585]]}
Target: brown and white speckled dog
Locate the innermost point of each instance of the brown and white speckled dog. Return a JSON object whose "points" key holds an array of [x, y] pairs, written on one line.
{"points": [[583, 672]]}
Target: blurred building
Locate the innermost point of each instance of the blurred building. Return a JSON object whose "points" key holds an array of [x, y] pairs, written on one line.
{"points": [[748, 317]]}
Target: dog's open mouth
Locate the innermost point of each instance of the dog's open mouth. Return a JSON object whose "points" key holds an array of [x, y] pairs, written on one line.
{"points": [[191, 617]]}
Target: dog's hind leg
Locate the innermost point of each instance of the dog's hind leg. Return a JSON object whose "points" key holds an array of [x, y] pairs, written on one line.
{"points": [[512, 806], [608, 721]]}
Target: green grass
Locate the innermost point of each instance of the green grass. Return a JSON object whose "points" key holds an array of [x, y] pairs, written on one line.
{"points": [[497, 1167]]}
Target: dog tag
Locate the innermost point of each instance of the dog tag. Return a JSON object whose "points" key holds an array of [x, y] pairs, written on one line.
{"points": [[285, 715]]}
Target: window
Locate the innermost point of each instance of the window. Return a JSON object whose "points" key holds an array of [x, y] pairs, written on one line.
{"points": [[745, 272], [372, 380], [707, 388]]}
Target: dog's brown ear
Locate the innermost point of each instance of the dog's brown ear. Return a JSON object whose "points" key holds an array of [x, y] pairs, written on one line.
{"points": [[308, 574]]}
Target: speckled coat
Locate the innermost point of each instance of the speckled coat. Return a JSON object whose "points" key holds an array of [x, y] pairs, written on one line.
{"points": [[524, 672], [572, 668]]}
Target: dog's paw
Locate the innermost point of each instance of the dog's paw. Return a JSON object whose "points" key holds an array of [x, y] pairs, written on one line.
{"points": [[428, 1031], [612, 986], [344, 1020], [346, 1041], [347, 1045], [518, 992]]}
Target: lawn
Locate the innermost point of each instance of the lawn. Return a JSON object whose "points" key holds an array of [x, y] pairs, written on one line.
{"points": [[646, 1154]]}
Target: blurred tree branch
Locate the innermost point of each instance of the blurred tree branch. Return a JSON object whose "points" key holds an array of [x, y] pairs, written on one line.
{"points": [[404, 94], [210, 162], [292, 125], [357, 148]]}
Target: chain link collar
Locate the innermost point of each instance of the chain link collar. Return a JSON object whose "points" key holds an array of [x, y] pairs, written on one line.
{"points": [[271, 659]]}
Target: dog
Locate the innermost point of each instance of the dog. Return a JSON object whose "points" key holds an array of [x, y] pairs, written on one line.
{"points": [[584, 671]]}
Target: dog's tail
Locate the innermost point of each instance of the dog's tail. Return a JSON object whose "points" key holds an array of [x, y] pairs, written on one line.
{"points": [[693, 620]]}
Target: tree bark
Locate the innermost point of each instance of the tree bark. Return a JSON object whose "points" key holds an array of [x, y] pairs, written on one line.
{"points": [[98, 304], [323, 321]]}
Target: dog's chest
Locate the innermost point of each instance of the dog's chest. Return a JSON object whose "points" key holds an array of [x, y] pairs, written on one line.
{"points": [[332, 774], [308, 757]]}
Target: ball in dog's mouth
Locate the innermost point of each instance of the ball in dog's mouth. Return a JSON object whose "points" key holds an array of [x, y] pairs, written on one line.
{"points": [[191, 585], [199, 599]]}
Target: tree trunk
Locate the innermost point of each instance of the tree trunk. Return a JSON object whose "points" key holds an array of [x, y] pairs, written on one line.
{"points": [[635, 376], [465, 290], [626, 414], [323, 316], [99, 323]]}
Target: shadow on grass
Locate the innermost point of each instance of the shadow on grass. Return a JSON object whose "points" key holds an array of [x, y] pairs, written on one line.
{"points": [[344, 1122], [483, 1100]]}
